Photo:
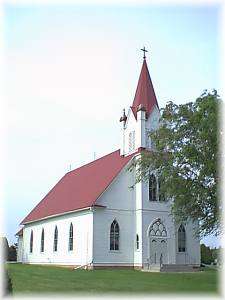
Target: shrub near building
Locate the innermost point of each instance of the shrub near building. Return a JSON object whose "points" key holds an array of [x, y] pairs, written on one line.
{"points": [[206, 255], [6, 254]]}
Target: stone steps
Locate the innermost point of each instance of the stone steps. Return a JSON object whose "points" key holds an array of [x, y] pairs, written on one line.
{"points": [[152, 268], [179, 268], [171, 268]]}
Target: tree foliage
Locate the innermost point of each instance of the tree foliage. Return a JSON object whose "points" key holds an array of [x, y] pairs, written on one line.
{"points": [[9, 253], [209, 256], [206, 255], [217, 255], [185, 156], [12, 256]]}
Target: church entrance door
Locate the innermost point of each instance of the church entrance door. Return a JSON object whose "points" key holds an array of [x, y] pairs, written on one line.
{"points": [[158, 243], [158, 251]]}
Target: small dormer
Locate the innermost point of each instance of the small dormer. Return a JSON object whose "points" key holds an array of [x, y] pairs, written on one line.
{"points": [[142, 116]]}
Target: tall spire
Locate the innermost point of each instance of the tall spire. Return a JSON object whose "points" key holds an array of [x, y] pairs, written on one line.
{"points": [[145, 95]]}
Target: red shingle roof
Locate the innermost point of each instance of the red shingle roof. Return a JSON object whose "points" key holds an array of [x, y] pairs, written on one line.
{"points": [[80, 188], [145, 94]]}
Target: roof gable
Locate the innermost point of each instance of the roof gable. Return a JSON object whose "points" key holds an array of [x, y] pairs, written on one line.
{"points": [[79, 188]]}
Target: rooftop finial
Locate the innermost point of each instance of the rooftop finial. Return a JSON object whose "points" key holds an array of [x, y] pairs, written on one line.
{"points": [[124, 117], [144, 50]]}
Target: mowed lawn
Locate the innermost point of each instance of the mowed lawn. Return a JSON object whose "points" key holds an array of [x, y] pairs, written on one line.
{"points": [[36, 279]]}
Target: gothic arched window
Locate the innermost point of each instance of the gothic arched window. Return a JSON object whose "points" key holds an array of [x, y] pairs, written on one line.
{"points": [[71, 237], [31, 241], [42, 240], [152, 187], [114, 236], [157, 229], [161, 194], [55, 246], [181, 239], [137, 241]]}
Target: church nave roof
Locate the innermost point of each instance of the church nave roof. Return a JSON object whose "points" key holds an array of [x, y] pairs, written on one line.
{"points": [[80, 188]]}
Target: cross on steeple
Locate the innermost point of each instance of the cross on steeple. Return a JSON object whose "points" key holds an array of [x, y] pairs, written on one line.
{"points": [[144, 50]]}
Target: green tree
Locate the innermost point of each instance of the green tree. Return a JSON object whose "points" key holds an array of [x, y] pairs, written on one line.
{"points": [[206, 255], [185, 156], [217, 255], [12, 253]]}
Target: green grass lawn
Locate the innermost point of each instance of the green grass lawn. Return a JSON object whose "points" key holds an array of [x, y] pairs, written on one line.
{"points": [[37, 279]]}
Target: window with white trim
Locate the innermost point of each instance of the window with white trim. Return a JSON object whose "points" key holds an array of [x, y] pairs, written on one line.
{"points": [[158, 229], [42, 240], [152, 187], [71, 237], [31, 241], [156, 192], [160, 192], [55, 245], [137, 242], [181, 239], [114, 235]]}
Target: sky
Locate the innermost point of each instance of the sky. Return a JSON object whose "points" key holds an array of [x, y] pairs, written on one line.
{"points": [[69, 70]]}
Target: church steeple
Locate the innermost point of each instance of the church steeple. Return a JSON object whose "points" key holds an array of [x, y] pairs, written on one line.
{"points": [[142, 117], [145, 94]]}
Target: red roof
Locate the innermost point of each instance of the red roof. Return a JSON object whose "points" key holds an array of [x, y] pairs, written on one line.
{"points": [[80, 188], [145, 94]]}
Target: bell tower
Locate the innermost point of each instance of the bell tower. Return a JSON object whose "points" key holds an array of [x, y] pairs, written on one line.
{"points": [[142, 117]]}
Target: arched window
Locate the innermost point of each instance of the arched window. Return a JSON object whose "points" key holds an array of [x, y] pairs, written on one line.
{"points": [[31, 241], [55, 246], [71, 237], [114, 236], [161, 194], [137, 241], [181, 239], [42, 240], [157, 229], [152, 188]]}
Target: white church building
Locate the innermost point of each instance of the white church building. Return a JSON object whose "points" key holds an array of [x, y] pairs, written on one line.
{"points": [[97, 216]]}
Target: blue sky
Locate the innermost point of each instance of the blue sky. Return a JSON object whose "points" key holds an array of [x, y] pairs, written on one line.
{"points": [[69, 72]]}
